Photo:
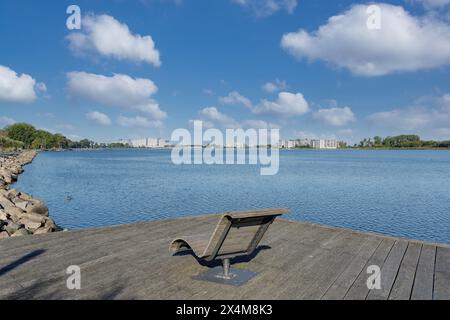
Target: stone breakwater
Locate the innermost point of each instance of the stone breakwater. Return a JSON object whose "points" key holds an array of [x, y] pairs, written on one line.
{"points": [[20, 213]]}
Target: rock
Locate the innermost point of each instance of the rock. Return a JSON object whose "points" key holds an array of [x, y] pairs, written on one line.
{"points": [[12, 227], [6, 176], [14, 218], [2, 223], [30, 225], [36, 206], [13, 211], [11, 194], [50, 223], [5, 202], [25, 196], [4, 235], [33, 217], [3, 215], [43, 229], [20, 203], [20, 232]]}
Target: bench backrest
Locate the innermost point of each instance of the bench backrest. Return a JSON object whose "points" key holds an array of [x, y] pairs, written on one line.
{"points": [[239, 233]]}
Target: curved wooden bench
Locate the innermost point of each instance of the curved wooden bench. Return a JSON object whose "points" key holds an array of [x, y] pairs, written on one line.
{"points": [[236, 234]]}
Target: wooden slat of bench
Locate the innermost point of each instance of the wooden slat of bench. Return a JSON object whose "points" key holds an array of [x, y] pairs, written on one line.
{"points": [[198, 243], [256, 213]]}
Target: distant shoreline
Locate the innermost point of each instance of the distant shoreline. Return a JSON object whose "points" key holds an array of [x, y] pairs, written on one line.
{"points": [[283, 149]]}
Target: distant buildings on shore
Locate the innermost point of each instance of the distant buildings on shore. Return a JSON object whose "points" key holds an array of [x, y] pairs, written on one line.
{"points": [[283, 144], [310, 143], [145, 142], [325, 144]]}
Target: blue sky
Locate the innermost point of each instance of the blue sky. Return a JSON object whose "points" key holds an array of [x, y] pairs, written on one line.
{"points": [[145, 68]]}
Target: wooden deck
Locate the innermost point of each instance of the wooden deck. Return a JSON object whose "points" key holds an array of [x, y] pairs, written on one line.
{"points": [[294, 261]]}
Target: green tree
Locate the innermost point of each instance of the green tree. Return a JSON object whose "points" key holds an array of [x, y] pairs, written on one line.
{"points": [[378, 141], [41, 140], [8, 143], [23, 132]]}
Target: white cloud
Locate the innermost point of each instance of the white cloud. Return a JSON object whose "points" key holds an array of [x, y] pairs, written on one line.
{"points": [[411, 118], [17, 88], [205, 124], [236, 98], [287, 104], [213, 115], [104, 35], [346, 132], [41, 87], [275, 86], [208, 92], [312, 135], [118, 90], [432, 4], [426, 115], [265, 8], [138, 122], [335, 116], [259, 124], [99, 118], [404, 42], [5, 121], [213, 118]]}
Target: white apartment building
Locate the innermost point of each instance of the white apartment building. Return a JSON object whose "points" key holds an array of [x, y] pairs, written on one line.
{"points": [[291, 144], [162, 143], [139, 143], [304, 142], [282, 144], [148, 143], [324, 144]]}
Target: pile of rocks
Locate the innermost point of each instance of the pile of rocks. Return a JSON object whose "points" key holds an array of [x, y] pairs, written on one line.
{"points": [[20, 214]]}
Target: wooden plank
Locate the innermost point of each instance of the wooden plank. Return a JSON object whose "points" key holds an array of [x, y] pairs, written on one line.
{"points": [[359, 290], [389, 271], [442, 274], [317, 266], [339, 260], [339, 288], [403, 284], [298, 253], [423, 283]]}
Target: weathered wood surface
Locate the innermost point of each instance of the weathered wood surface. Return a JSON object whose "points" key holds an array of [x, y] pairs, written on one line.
{"points": [[294, 261]]}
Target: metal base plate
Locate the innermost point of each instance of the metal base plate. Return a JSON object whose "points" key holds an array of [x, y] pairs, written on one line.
{"points": [[238, 276]]}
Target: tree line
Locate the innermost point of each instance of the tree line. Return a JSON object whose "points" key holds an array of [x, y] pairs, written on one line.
{"points": [[26, 136], [411, 141]]}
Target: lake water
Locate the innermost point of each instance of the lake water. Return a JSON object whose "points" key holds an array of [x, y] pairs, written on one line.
{"points": [[400, 193]]}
